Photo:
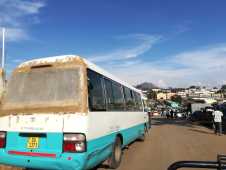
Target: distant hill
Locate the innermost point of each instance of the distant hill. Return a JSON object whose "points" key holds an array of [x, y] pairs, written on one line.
{"points": [[146, 86]]}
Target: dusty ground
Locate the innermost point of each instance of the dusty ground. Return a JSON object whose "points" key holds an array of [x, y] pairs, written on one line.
{"points": [[8, 168], [170, 141]]}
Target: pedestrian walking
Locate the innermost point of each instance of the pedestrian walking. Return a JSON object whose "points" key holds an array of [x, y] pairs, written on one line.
{"points": [[171, 113], [217, 115], [164, 113], [161, 113], [168, 114]]}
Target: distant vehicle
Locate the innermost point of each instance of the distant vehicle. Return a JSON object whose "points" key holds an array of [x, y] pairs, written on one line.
{"points": [[196, 116], [155, 113], [207, 116], [203, 117], [198, 106], [66, 113], [179, 115]]}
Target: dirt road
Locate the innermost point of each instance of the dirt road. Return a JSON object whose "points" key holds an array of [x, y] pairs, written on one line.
{"points": [[170, 141]]}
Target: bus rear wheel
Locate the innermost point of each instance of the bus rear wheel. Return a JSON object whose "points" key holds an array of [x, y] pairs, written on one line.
{"points": [[143, 136], [115, 159]]}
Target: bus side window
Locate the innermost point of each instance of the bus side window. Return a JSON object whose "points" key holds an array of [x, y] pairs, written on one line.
{"points": [[138, 102], [132, 94], [95, 92], [109, 94], [119, 104], [128, 99]]}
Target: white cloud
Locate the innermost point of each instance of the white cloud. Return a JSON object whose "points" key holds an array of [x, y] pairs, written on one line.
{"points": [[145, 43], [13, 11], [17, 60], [203, 66], [15, 34], [15, 15], [28, 7], [204, 58]]}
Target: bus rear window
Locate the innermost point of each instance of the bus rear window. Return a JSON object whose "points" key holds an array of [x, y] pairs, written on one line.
{"points": [[44, 86]]}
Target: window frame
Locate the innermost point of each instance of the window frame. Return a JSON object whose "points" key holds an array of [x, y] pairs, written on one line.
{"points": [[103, 92], [119, 86], [109, 108]]}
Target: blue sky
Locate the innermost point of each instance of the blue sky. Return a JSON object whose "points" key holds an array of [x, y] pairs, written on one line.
{"points": [[170, 43]]}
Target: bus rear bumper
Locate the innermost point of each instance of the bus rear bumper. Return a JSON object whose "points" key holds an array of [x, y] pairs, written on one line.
{"points": [[65, 162]]}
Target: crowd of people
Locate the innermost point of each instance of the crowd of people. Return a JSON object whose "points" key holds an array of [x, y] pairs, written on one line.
{"points": [[173, 113]]}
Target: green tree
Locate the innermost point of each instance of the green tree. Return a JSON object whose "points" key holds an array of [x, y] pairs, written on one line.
{"points": [[223, 87], [223, 90], [152, 94]]}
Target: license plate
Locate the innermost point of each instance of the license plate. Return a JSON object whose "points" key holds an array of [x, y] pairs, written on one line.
{"points": [[33, 143]]}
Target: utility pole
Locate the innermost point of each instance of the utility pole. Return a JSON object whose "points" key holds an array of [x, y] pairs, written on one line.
{"points": [[2, 72], [3, 48]]}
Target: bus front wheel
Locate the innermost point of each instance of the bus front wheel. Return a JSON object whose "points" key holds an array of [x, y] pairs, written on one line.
{"points": [[115, 159]]}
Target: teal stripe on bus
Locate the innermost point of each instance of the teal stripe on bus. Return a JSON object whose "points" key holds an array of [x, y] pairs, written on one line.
{"points": [[97, 151]]}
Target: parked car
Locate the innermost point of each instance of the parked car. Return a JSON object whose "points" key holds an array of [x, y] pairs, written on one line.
{"points": [[203, 116], [196, 116], [207, 118], [155, 113], [180, 115]]}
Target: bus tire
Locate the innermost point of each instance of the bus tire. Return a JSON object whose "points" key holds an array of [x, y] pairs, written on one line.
{"points": [[115, 159], [143, 136]]}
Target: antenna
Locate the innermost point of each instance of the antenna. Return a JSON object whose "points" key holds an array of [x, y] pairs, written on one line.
{"points": [[3, 48]]}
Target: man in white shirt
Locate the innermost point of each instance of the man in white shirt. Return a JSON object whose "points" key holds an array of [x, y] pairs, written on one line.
{"points": [[217, 115]]}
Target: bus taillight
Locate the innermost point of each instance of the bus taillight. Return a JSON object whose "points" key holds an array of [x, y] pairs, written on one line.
{"points": [[74, 143], [2, 139]]}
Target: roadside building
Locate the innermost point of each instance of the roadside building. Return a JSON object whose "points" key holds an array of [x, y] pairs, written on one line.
{"points": [[183, 94], [161, 96], [156, 89], [170, 95], [165, 95]]}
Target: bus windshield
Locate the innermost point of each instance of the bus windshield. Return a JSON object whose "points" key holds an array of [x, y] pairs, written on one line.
{"points": [[43, 87]]}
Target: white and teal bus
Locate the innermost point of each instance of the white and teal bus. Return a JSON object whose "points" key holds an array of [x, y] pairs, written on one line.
{"points": [[66, 113]]}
